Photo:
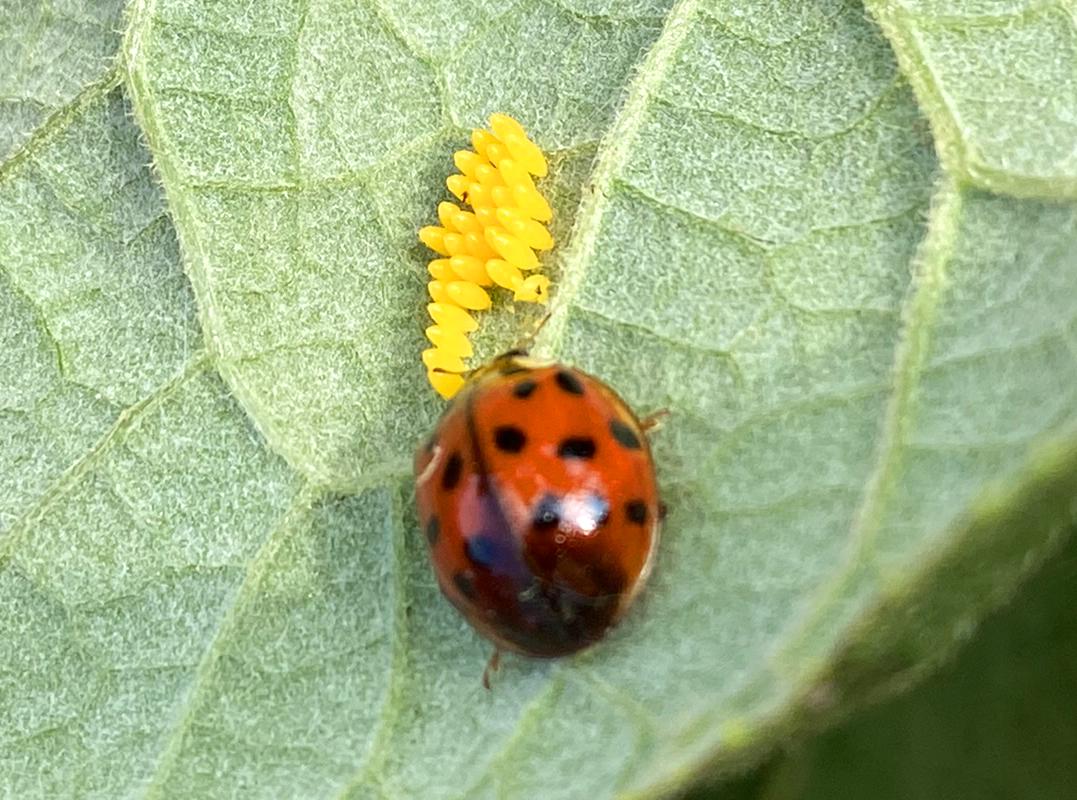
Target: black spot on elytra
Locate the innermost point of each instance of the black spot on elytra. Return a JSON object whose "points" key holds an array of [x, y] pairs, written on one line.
{"points": [[509, 438], [636, 511], [451, 476], [624, 435], [433, 530], [576, 447], [547, 513], [524, 389], [481, 550], [465, 584], [569, 382]]}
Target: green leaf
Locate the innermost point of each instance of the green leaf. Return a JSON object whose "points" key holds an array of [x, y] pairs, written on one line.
{"points": [[112, 591], [48, 53], [95, 315], [870, 373], [299, 168], [996, 722], [997, 80]]}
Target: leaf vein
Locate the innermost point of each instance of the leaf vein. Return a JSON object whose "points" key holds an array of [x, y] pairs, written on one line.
{"points": [[70, 476], [392, 704], [185, 715], [909, 362]]}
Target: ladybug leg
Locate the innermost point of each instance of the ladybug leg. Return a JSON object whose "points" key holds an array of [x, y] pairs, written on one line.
{"points": [[523, 348], [654, 420], [492, 666], [539, 325], [430, 468]]}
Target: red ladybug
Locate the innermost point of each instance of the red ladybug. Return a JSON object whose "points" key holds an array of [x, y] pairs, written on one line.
{"points": [[538, 497]]}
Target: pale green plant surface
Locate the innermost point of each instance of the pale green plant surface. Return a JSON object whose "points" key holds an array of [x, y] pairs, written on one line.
{"points": [[1010, 692], [870, 367], [997, 80], [48, 53], [996, 722]]}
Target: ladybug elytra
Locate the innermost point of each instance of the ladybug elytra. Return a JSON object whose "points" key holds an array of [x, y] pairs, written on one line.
{"points": [[538, 498]]}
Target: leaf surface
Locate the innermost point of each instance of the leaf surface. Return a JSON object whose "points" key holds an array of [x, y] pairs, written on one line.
{"points": [[997, 80], [870, 370], [1009, 691], [48, 53], [96, 314]]}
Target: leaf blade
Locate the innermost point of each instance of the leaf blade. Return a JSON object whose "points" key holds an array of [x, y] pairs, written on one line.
{"points": [[81, 245], [999, 86]]}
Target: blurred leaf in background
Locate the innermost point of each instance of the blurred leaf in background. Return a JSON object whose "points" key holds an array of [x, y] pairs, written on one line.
{"points": [[998, 722]]}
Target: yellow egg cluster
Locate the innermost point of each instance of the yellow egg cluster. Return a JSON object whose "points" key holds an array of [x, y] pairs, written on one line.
{"points": [[492, 244]]}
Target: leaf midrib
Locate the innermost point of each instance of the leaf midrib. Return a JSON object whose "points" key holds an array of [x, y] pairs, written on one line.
{"points": [[613, 153]]}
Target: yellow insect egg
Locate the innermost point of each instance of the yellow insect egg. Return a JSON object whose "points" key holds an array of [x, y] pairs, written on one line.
{"points": [[434, 358], [445, 383], [467, 162], [486, 216], [445, 214], [486, 246], [476, 245], [468, 295], [449, 341], [504, 274], [440, 269], [439, 293], [531, 203], [434, 238], [532, 233], [449, 316], [469, 268], [514, 175], [479, 195], [503, 196], [481, 141], [527, 154], [457, 184], [454, 243], [488, 175], [505, 126], [495, 152], [511, 249], [466, 222], [534, 289]]}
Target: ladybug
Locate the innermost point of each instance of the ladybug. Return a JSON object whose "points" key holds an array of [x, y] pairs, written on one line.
{"points": [[539, 502]]}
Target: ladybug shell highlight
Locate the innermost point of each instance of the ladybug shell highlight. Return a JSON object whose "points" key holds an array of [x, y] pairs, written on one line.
{"points": [[538, 498]]}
